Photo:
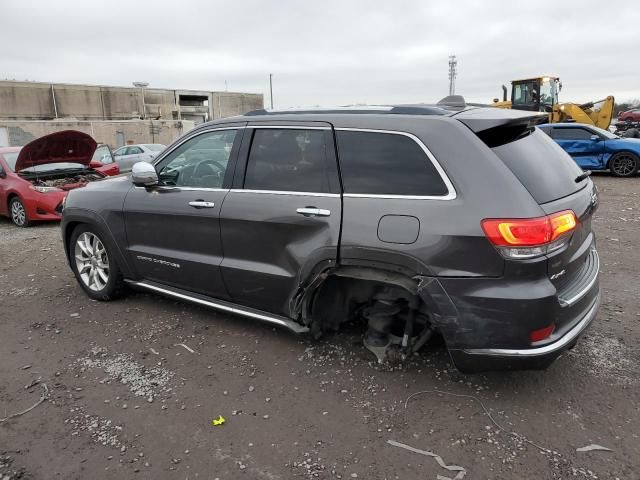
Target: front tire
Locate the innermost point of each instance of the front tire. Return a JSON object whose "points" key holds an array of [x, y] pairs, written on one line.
{"points": [[18, 213], [93, 265], [624, 164]]}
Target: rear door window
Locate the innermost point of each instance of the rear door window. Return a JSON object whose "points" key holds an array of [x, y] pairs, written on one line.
{"points": [[386, 164], [542, 166], [292, 160]]}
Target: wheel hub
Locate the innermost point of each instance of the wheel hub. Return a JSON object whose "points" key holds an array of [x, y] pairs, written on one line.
{"points": [[623, 165], [18, 214], [92, 262]]}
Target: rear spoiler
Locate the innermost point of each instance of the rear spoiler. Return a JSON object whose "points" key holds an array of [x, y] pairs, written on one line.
{"points": [[481, 119], [497, 126]]}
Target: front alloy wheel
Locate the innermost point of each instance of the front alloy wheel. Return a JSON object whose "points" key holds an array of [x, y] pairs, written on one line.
{"points": [[18, 213], [93, 264], [624, 164], [92, 261]]}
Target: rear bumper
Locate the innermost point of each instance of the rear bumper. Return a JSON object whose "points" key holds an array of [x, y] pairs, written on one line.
{"points": [[480, 359], [487, 322]]}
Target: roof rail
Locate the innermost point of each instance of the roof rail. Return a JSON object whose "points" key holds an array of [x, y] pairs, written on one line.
{"points": [[415, 109]]}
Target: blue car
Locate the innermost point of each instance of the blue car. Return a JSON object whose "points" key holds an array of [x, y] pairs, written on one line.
{"points": [[593, 148]]}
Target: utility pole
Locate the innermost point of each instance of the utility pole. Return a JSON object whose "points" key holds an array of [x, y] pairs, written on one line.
{"points": [[453, 73], [271, 88]]}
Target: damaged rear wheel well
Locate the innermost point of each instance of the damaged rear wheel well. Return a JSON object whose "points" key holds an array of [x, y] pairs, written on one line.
{"points": [[387, 301]]}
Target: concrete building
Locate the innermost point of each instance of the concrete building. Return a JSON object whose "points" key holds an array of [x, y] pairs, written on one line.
{"points": [[112, 115]]}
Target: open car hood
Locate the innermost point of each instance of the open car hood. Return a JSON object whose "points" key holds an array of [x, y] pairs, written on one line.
{"points": [[60, 147]]}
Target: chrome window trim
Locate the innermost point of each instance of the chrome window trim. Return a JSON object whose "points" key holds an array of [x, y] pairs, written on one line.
{"points": [[188, 137], [186, 189], [451, 191], [203, 189], [283, 192], [400, 197]]}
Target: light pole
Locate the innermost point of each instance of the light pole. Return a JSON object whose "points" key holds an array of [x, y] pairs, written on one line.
{"points": [[141, 86], [271, 88]]}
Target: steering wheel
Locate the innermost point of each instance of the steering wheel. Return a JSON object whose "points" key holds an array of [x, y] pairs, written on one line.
{"points": [[207, 167], [218, 164]]}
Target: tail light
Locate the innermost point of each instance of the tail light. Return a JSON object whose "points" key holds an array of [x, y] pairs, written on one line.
{"points": [[530, 237]]}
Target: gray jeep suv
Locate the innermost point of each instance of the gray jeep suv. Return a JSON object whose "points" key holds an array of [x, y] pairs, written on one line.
{"points": [[467, 222]]}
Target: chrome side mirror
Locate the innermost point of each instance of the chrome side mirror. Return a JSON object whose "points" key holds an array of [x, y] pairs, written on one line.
{"points": [[595, 138], [144, 174]]}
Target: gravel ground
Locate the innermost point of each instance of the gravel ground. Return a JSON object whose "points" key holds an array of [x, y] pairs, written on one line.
{"points": [[134, 386]]}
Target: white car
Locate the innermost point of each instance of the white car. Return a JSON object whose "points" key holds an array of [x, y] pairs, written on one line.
{"points": [[126, 156]]}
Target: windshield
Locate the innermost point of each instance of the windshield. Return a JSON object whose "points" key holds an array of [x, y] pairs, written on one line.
{"points": [[604, 133], [102, 154], [155, 147], [11, 158]]}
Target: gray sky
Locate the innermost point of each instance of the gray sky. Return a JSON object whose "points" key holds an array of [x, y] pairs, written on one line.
{"points": [[327, 52]]}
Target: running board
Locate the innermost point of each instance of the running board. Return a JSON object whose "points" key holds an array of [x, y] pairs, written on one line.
{"points": [[226, 307]]}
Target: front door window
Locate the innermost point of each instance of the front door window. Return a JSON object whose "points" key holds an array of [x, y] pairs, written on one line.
{"points": [[200, 162]]}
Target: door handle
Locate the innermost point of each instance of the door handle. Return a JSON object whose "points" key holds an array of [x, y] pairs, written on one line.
{"points": [[313, 212], [202, 204]]}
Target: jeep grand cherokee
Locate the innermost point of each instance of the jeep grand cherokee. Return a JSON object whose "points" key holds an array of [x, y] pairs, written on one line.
{"points": [[463, 221]]}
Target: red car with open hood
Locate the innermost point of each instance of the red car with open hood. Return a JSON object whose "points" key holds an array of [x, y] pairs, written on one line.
{"points": [[35, 179]]}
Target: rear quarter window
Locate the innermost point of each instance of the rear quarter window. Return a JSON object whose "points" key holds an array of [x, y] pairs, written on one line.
{"points": [[376, 163], [542, 166]]}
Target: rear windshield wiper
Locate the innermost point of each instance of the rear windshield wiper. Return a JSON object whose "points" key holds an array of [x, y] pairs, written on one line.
{"points": [[583, 176]]}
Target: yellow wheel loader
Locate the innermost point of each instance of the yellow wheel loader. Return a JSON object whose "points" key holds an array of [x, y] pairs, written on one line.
{"points": [[540, 94]]}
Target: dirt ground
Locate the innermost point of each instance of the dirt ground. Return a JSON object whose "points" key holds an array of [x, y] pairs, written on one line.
{"points": [[135, 384]]}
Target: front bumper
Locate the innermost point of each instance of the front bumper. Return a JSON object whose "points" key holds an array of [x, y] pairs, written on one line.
{"points": [[44, 206]]}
